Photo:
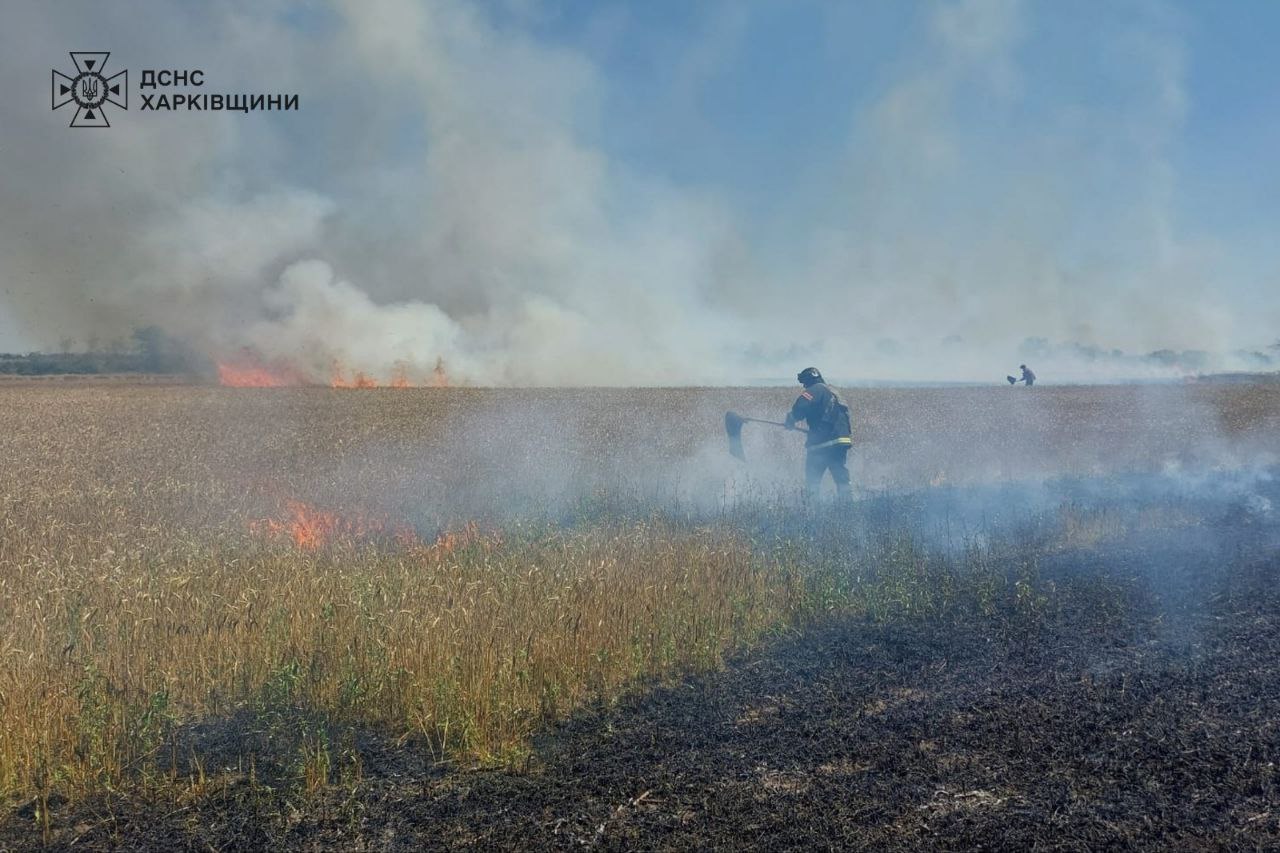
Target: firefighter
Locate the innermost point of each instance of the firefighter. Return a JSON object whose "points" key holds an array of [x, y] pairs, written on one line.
{"points": [[830, 434], [1027, 375]]}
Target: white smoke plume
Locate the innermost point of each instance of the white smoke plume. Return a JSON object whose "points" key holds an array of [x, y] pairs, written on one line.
{"points": [[449, 192]]}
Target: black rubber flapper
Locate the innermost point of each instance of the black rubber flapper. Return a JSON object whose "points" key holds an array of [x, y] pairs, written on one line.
{"points": [[733, 428]]}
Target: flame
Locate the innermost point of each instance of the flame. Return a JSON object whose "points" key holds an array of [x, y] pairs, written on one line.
{"points": [[469, 536], [249, 371], [250, 375], [338, 377], [400, 376], [310, 529]]}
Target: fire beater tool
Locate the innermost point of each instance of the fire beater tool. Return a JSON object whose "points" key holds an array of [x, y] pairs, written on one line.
{"points": [[733, 423]]}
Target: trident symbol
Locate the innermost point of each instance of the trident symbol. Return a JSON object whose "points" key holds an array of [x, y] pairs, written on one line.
{"points": [[90, 89]]}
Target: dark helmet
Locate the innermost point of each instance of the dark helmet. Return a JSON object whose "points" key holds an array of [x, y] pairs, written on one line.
{"points": [[1022, 367], [809, 376]]}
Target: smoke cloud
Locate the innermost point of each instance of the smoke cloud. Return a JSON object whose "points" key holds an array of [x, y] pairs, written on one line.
{"points": [[456, 188]]}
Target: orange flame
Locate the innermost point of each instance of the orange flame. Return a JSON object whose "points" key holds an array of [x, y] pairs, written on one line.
{"points": [[251, 375], [470, 536], [400, 376], [249, 371], [310, 528], [338, 377]]}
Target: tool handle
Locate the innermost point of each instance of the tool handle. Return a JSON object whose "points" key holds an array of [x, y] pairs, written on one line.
{"points": [[773, 423]]}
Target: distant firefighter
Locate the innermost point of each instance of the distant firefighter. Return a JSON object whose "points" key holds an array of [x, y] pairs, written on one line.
{"points": [[1027, 376], [830, 432]]}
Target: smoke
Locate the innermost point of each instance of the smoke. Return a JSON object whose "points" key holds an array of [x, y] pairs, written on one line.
{"points": [[992, 229], [456, 188]]}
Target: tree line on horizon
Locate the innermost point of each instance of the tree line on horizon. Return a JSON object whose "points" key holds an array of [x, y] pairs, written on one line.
{"points": [[148, 350], [151, 350]]}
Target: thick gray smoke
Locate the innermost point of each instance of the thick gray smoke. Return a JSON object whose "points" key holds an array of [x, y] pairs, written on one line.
{"points": [[446, 192]]}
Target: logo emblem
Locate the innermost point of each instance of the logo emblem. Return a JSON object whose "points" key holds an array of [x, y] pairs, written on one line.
{"points": [[90, 89]]}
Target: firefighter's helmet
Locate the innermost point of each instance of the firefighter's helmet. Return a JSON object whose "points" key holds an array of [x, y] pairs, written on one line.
{"points": [[809, 376]]}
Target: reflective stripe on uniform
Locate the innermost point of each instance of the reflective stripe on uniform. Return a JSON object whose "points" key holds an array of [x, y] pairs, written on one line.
{"points": [[844, 439]]}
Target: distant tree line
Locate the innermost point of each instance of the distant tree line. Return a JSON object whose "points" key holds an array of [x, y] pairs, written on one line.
{"points": [[148, 350]]}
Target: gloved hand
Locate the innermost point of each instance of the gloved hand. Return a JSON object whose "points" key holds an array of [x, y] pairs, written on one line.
{"points": [[789, 421]]}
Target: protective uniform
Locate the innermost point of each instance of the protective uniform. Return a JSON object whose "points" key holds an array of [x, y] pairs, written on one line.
{"points": [[1027, 376], [830, 433]]}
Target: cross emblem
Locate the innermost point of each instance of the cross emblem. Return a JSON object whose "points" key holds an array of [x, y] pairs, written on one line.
{"points": [[90, 89]]}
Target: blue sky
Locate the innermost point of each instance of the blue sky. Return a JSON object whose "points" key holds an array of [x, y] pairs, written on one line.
{"points": [[775, 84]]}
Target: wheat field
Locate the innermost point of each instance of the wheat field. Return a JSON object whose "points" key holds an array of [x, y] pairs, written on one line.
{"points": [[194, 578]]}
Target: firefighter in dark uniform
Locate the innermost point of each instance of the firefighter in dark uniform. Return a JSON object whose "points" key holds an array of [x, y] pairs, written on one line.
{"points": [[830, 434], [1027, 375]]}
